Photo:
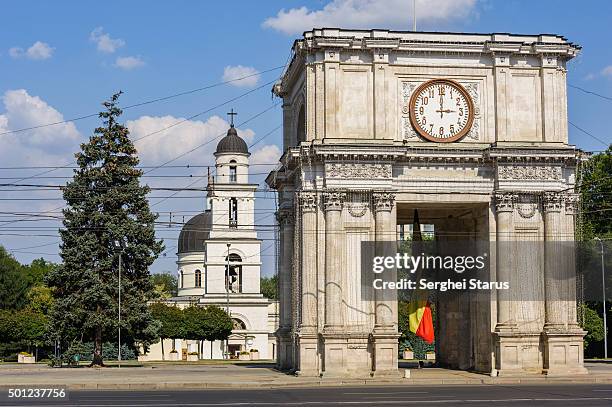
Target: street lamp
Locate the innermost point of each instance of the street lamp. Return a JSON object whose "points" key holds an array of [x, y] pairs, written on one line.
{"points": [[120, 246], [603, 287], [227, 307]]}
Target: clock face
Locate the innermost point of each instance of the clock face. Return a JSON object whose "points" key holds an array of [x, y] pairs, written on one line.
{"points": [[441, 110]]}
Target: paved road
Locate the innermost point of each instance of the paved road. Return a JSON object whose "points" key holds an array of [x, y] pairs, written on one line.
{"points": [[464, 395]]}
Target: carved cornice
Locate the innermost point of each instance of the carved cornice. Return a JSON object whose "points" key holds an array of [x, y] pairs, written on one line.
{"points": [[552, 201], [383, 201], [504, 201], [333, 200], [308, 201]]}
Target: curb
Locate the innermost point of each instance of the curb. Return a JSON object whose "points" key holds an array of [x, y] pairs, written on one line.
{"points": [[312, 383]]}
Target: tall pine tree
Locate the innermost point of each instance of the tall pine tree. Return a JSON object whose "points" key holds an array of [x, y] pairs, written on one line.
{"points": [[105, 204]]}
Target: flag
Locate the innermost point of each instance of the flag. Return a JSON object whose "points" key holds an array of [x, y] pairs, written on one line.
{"points": [[419, 309]]}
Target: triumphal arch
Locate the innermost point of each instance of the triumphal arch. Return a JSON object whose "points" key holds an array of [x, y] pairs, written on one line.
{"points": [[470, 130]]}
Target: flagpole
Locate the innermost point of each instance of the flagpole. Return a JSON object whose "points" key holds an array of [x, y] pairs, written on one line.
{"points": [[414, 15]]}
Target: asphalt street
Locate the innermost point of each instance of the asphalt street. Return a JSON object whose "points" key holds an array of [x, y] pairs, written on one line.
{"points": [[464, 395]]}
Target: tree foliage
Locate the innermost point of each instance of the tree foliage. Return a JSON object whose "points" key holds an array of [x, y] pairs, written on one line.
{"points": [[165, 285], [206, 323], [596, 195], [171, 320], [269, 287], [13, 294], [105, 204]]}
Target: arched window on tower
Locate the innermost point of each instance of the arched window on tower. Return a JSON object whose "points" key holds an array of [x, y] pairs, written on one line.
{"points": [[233, 176], [301, 125], [233, 276], [198, 278], [181, 280], [233, 212]]}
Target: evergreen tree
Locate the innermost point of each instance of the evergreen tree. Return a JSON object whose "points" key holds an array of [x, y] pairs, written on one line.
{"points": [[596, 196], [13, 282], [105, 204]]}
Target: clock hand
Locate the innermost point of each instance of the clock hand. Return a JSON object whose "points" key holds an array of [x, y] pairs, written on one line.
{"points": [[441, 106]]}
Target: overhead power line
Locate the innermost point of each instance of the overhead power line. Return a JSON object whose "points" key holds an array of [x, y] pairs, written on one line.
{"points": [[146, 102]]}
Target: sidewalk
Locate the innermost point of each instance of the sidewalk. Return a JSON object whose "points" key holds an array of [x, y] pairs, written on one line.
{"points": [[157, 376]]}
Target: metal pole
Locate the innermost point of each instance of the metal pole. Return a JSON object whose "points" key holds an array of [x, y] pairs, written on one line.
{"points": [[119, 349], [227, 307], [603, 287]]}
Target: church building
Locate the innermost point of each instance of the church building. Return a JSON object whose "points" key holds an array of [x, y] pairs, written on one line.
{"points": [[219, 262]]}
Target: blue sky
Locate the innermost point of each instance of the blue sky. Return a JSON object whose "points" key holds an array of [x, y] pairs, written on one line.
{"points": [[57, 63]]}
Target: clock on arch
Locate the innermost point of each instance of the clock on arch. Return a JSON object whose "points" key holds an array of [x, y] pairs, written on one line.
{"points": [[441, 110]]}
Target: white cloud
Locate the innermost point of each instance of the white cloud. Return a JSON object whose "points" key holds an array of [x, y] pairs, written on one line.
{"points": [[50, 145], [38, 51], [104, 41], [170, 143], [269, 154], [368, 14], [607, 71], [248, 73], [129, 63]]}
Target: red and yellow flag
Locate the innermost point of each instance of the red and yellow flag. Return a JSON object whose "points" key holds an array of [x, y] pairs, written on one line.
{"points": [[419, 310]]}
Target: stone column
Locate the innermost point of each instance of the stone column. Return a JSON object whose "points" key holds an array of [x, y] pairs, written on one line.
{"points": [[554, 263], [335, 337], [385, 236], [508, 357], [571, 209], [385, 334], [307, 333], [562, 337], [504, 206], [283, 334], [332, 204]]}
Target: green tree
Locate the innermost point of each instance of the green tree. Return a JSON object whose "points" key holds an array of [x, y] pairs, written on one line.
{"points": [[40, 299], [269, 287], [593, 324], [105, 204], [37, 271], [30, 327], [596, 196], [13, 294], [172, 324], [210, 323], [165, 284]]}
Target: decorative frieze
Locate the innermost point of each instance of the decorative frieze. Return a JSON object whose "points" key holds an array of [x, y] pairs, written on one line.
{"points": [[504, 201], [333, 200], [308, 201], [529, 173], [552, 201], [358, 171], [383, 201]]}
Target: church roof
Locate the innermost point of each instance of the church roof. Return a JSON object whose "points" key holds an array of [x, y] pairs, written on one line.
{"points": [[194, 233], [232, 143]]}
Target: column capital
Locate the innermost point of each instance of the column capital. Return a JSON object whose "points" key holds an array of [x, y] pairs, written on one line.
{"points": [[552, 201], [308, 201], [383, 201], [333, 200], [571, 203], [285, 217], [504, 201]]}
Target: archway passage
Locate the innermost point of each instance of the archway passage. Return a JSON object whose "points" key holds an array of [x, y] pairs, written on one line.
{"points": [[462, 318]]}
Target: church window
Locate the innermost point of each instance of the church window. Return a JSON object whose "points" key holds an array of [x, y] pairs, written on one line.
{"points": [[238, 324], [233, 277], [181, 279], [233, 212], [233, 177], [198, 278]]}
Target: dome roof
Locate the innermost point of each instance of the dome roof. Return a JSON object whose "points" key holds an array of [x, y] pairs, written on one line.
{"points": [[194, 233], [232, 143]]}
